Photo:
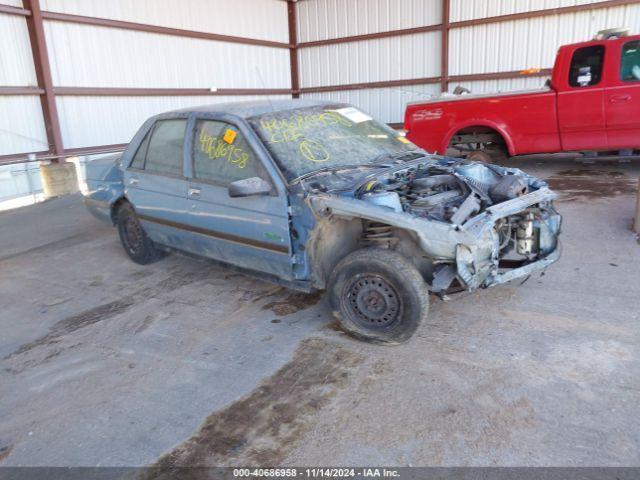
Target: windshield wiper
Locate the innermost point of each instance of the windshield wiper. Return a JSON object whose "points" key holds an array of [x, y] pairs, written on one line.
{"points": [[337, 168]]}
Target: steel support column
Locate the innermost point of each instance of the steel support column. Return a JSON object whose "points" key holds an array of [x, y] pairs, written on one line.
{"points": [[444, 60], [293, 49], [43, 75]]}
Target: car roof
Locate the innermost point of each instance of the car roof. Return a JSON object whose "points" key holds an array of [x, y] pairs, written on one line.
{"points": [[254, 108]]}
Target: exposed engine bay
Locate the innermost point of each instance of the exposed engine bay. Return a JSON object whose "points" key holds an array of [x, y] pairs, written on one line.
{"points": [[456, 191]]}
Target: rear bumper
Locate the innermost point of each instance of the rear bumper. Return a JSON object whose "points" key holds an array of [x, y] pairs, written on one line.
{"points": [[99, 209]]}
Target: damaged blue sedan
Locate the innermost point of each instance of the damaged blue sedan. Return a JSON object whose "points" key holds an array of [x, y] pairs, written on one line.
{"points": [[320, 196]]}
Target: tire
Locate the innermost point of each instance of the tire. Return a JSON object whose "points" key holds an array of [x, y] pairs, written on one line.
{"points": [[378, 296], [134, 239]]}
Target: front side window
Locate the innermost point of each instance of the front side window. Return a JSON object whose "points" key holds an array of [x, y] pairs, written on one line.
{"points": [[222, 155], [586, 66], [630, 62], [164, 154]]}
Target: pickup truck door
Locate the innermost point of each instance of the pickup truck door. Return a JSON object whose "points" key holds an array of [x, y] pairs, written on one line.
{"points": [[581, 118], [154, 182], [250, 232], [622, 99]]}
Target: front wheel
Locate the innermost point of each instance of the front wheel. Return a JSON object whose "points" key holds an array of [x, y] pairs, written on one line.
{"points": [[134, 239], [378, 296]]}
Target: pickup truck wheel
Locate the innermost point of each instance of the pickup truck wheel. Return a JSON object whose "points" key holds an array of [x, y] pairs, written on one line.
{"points": [[134, 239], [378, 296]]}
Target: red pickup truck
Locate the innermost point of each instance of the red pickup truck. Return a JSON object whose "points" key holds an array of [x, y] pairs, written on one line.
{"points": [[591, 103]]}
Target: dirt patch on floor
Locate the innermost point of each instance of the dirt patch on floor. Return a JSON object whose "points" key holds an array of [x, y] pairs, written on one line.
{"points": [[261, 428], [76, 322], [4, 452], [576, 184], [293, 303]]}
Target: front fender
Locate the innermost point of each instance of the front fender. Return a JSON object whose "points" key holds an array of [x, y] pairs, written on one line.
{"points": [[437, 239]]}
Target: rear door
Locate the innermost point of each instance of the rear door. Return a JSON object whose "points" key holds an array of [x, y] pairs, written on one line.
{"points": [[155, 183], [250, 232], [623, 98], [581, 100]]}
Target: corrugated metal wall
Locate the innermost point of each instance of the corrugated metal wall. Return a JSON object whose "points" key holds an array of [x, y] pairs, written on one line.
{"points": [[95, 56], [21, 122], [393, 58], [324, 19], [505, 46], [521, 44], [387, 104], [92, 56], [266, 20], [112, 120]]}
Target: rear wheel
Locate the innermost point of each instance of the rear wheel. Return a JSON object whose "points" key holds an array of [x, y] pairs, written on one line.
{"points": [[379, 296], [134, 239]]}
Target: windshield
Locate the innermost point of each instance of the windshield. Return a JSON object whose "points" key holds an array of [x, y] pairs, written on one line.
{"points": [[314, 138]]}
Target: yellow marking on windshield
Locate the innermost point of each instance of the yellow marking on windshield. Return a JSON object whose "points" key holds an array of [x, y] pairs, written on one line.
{"points": [[314, 151], [294, 128]]}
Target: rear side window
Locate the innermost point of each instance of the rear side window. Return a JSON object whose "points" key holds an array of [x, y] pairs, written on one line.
{"points": [[586, 66], [164, 154], [630, 62], [138, 159]]}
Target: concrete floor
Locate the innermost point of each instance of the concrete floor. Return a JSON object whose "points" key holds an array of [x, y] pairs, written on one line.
{"points": [[105, 362]]}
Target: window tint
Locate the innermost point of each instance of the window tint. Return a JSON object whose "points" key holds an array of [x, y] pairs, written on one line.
{"points": [[165, 148], [586, 66], [630, 62], [221, 154], [138, 159]]}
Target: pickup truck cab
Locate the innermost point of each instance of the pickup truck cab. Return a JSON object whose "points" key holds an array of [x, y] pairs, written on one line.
{"points": [[320, 196], [591, 103]]}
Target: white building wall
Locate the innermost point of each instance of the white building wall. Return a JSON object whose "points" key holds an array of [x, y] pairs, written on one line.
{"points": [[391, 58], [385, 104], [488, 48], [461, 10], [92, 56], [265, 20], [21, 122], [325, 19], [112, 120], [16, 64], [528, 43]]}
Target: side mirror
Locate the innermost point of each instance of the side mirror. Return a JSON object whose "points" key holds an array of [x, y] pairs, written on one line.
{"points": [[249, 187]]}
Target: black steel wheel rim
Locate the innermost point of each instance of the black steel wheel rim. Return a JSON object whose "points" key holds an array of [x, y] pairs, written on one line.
{"points": [[133, 235], [373, 302]]}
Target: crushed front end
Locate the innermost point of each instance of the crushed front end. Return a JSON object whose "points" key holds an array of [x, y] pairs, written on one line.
{"points": [[501, 222]]}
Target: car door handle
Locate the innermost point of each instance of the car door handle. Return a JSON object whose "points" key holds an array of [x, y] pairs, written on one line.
{"points": [[194, 192], [133, 181], [620, 98]]}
